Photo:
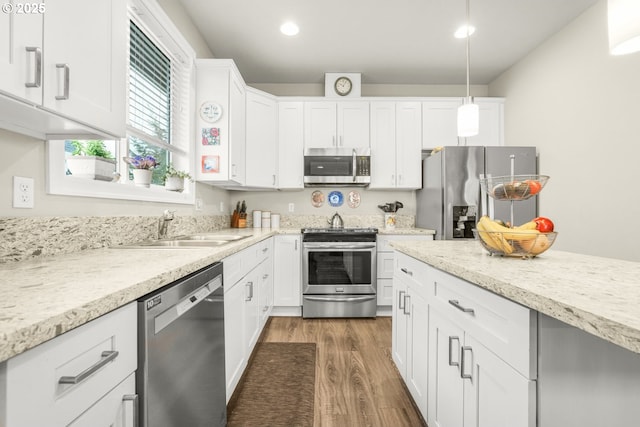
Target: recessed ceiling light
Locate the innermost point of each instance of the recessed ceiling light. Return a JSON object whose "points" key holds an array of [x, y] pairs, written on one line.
{"points": [[289, 29], [462, 31]]}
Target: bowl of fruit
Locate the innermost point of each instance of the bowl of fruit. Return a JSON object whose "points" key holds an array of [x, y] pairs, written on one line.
{"points": [[513, 187], [526, 241]]}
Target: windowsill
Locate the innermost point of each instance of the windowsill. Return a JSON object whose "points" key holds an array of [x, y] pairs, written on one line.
{"points": [[61, 184]]}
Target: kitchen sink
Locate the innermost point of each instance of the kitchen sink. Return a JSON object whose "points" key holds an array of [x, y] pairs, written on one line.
{"points": [[198, 240]]}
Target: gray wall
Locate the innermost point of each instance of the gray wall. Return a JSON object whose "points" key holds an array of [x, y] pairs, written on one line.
{"points": [[581, 107]]}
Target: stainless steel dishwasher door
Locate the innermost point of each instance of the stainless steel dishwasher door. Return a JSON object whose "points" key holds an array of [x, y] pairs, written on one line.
{"points": [[181, 370]]}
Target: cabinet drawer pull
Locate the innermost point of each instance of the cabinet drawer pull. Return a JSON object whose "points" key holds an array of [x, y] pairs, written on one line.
{"points": [[107, 356], [407, 304], [457, 305], [37, 77], [405, 271], [133, 398], [451, 340], [401, 300], [265, 250], [65, 84], [265, 276], [462, 364], [250, 286]]}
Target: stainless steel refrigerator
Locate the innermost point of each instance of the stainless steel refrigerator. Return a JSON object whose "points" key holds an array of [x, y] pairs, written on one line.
{"points": [[451, 200]]}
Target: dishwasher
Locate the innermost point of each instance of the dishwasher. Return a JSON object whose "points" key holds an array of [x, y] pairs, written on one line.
{"points": [[181, 370]]}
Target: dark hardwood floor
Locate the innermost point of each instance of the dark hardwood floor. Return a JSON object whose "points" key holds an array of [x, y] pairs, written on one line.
{"points": [[357, 383]]}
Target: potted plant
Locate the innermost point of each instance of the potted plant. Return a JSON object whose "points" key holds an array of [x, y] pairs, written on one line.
{"points": [[174, 179], [142, 169], [92, 160]]}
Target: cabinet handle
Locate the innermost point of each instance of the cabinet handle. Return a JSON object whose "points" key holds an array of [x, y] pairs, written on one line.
{"points": [[401, 300], [333, 140], [457, 305], [107, 356], [274, 180], [451, 339], [37, 77], [393, 179], [400, 179], [295, 244], [341, 141], [462, 374], [133, 398], [265, 250], [409, 272], [233, 169], [264, 276], [65, 84], [249, 285], [407, 304]]}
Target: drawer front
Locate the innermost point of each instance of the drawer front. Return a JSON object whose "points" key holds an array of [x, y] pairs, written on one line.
{"points": [[385, 265], [502, 326], [385, 291], [384, 240], [40, 378], [116, 409], [264, 250], [416, 273]]}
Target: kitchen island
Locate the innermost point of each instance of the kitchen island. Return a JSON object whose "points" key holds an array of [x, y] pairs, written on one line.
{"points": [[584, 329]]}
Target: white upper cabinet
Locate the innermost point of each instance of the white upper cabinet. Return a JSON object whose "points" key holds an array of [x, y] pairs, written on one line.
{"points": [[220, 122], [396, 145], [79, 75], [336, 124], [439, 123], [21, 55], [84, 76], [290, 145], [261, 139]]}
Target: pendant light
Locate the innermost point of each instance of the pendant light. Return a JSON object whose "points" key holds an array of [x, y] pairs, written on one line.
{"points": [[468, 112], [624, 26]]}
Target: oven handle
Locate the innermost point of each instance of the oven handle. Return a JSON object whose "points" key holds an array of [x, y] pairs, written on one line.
{"points": [[337, 246], [339, 299]]}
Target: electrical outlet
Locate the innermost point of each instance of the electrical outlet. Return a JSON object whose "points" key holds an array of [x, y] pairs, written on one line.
{"points": [[221, 206], [292, 207], [198, 204], [22, 192]]}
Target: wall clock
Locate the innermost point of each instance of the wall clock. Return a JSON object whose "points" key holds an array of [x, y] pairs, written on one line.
{"points": [[210, 111], [342, 85]]}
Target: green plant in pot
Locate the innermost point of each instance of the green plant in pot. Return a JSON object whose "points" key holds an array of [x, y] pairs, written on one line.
{"points": [[174, 179], [92, 160]]}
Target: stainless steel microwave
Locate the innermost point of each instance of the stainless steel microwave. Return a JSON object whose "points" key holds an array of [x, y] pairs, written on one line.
{"points": [[337, 166]]}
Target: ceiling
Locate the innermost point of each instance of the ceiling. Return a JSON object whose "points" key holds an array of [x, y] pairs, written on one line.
{"points": [[389, 42]]}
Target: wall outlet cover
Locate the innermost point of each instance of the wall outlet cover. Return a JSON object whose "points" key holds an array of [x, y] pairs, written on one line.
{"points": [[23, 192]]}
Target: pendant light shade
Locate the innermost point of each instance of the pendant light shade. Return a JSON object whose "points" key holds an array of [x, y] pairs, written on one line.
{"points": [[624, 26], [468, 119], [468, 113]]}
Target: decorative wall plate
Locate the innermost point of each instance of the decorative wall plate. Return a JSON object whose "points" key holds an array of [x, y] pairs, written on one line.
{"points": [[210, 111], [336, 199], [354, 199], [317, 198]]}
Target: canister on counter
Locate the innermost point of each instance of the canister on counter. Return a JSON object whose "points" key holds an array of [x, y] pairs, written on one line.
{"points": [[275, 221], [266, 219], [257, 219]]}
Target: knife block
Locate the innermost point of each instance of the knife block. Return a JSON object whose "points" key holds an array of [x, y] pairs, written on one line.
{"points": [[239, 220]]}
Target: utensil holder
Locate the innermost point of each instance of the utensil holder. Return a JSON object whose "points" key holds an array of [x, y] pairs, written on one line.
{"points": [[389, 221]]}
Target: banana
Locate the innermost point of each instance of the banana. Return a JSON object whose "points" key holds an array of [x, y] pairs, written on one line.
{"points": [[497, 241], [531, 225], [488, 238], [523, 232]]}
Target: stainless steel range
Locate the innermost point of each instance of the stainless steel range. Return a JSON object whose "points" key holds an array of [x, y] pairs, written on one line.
{"points": [[339, 272]]}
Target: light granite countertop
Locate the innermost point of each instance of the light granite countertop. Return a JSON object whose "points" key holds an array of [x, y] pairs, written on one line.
{"points": [[43, 298], [407, 231], [598, 295]]}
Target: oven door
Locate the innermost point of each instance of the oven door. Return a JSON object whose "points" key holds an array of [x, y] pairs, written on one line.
{"points": [[334, 268]]}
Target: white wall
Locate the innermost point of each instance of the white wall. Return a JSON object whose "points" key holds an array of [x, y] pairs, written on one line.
{"points": [[581, 107]]}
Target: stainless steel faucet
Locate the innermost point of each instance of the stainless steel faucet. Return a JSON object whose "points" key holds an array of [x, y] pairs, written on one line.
{"points": [[163, 225]]}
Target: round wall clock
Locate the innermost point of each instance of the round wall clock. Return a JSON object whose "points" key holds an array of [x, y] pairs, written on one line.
{"points": [[343, 86], [210, 111]]}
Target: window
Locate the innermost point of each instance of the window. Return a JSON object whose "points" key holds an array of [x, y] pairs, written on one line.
{"points": [[159, 85]]}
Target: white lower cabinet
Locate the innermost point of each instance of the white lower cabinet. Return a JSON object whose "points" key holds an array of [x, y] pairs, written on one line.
{"points": [[287, 292], [468, 356], [247, 302], [84, 377], [410, 339], [385, 266]]}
